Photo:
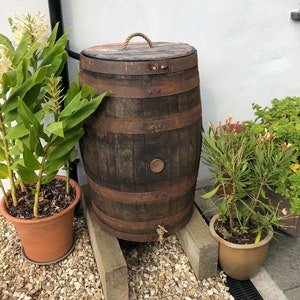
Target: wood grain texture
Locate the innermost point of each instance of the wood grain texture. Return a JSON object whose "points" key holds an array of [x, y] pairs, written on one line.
{"points": [[108, 255], [151, 116]]}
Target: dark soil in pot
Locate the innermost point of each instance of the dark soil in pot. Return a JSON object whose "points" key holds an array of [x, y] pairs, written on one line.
{"points": [[53, 199], [238, 236]]}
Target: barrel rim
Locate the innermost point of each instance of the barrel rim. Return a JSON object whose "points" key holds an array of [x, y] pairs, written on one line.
{"points": [[139, 51]]}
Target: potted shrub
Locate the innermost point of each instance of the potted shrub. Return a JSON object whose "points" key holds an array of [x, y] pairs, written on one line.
{"points": [[282, 118], [39, 128], [244, 165]]}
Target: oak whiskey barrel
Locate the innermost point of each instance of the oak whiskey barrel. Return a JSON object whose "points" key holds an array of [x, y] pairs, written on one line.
{"points": [[141, 148]]}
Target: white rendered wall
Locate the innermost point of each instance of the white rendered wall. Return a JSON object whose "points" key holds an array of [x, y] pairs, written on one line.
{"points": [[249, 51]]}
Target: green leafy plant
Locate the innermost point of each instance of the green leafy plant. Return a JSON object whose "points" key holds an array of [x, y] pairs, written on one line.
{"points": [[282, 118], [244, 165], [40, 124]]}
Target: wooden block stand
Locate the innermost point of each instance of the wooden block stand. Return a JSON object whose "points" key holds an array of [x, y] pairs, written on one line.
{"points": [[110, 261], [200, 248]]}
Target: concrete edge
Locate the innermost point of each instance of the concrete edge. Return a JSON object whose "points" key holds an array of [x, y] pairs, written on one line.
{"points": [[267, 287]]}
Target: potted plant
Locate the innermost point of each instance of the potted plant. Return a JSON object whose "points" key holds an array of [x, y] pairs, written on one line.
{"points": [[244, 166], [282, 118], [39, 128]]}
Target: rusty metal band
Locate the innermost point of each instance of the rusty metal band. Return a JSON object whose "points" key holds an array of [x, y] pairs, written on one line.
{"points": [[178, 188], [132, 126], [92, 64]]}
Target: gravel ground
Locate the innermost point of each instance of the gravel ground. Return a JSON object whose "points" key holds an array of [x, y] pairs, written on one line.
{"points": [[155, 272]]}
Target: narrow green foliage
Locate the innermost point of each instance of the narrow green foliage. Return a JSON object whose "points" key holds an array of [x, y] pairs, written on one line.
{"points": [[245, 163]]}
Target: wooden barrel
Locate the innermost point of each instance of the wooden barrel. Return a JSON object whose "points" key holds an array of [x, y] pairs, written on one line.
{"points": [[142, 146]]}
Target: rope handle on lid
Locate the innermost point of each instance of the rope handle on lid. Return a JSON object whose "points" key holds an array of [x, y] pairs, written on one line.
{"points": [[125, 44]]}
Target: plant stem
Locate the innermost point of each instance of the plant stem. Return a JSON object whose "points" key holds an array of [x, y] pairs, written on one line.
{"points": [[37, 196], [4, 193], [68, 178], [40, 177], [253, 204], [8, 162]]}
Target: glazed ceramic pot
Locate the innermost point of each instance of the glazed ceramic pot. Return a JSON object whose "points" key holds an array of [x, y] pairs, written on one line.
{"points": [[46, 240], [240, 262]]}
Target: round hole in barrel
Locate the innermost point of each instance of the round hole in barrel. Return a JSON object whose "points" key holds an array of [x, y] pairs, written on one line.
{"points": [[141, 148]]}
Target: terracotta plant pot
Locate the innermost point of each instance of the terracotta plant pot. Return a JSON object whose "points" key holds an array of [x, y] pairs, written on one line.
{"points": [[46, 240], [240, 262]]}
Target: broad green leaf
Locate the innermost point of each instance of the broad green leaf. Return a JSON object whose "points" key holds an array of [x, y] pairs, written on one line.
{"points": [[73, 155], [29, 119], [74, 133], [15, 151], [87, 91], [34, 96], [22, 48], [58, 151], [53, 34], [2, 155], [34, 142], [83, 112], [27, 115], [31, 51], [20, 91], [71, 107], [54, 165], [17, 132], [9, 80], [11, 116], [30, 160], [73, 90], [55, 128], [58, 64], [6, 42], [26, 175], [48, 178], [3, 171], [56, 56]]}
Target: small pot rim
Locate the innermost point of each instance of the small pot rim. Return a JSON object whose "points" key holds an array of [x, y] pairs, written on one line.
{"points": [[8, 216], [237, 246]]}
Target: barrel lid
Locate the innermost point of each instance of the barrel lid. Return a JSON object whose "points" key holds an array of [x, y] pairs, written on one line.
{"points": [[140, 51]]}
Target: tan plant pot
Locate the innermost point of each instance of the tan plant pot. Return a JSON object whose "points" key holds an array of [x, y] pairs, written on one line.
{"points": [[240, 262], [46, 240]]}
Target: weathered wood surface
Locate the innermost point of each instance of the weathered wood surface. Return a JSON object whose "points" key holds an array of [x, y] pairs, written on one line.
{"points": [[137, 52], [142, 147], [199, 246], [109, 257]]}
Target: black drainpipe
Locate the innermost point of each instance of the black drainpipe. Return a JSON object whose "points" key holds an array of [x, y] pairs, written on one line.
{"points": [[56, 16]]}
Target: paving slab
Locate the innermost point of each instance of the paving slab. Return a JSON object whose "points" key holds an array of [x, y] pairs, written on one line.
{"points": [[266, 286], [283, 264]]}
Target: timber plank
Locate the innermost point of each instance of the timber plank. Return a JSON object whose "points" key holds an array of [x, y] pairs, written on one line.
{"points": [[199, 246], [108, 255]]}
